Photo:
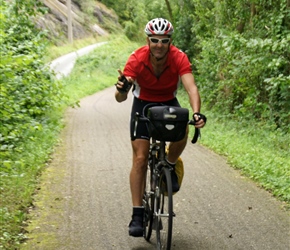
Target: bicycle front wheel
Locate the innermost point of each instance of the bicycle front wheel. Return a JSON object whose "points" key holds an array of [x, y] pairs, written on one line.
{"points": [[164, 210]]}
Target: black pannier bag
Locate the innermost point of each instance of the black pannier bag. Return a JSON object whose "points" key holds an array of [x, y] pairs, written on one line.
{"points": [[167, 123]]}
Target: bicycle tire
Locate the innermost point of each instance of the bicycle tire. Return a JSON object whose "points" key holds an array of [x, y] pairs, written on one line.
{"points": [[164, 209], [148, 203]]}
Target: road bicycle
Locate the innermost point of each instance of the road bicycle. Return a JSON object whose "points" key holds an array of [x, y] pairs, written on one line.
{"points": [[165, 124]]}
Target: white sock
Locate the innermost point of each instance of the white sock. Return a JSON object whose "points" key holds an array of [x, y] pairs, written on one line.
{"points": [[172, 163]]}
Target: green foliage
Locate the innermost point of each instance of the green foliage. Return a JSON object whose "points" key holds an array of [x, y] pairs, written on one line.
{"points": [[27, 94], [241, 56], [19, 180], [133, 15], [183, 32], [134, 28], [27, 87], [121, 7], [251, 77], [155, 9]]}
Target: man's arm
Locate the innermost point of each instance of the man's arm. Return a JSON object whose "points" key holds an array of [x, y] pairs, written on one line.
{"points": [[192, 91], [194, 97], [120, 97]]}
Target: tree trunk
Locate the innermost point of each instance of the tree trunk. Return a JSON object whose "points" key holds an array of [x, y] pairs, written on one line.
{"points": [[253, 13], [169, 10]]}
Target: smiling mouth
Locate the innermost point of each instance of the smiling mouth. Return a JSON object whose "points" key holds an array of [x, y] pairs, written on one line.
{"points": [[159, 51]]}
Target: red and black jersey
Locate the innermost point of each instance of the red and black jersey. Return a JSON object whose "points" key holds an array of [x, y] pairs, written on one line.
{"points": [[149, 87]]}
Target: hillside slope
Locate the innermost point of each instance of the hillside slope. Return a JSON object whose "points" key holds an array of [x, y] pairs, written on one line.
{"points": [[97, 20]]}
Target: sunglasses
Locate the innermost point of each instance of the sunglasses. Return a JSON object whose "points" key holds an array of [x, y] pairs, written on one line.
{"points": [[156, 40]]}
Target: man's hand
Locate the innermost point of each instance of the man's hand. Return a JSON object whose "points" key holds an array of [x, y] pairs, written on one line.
{"points": [[123, 85], [122, 91], [200, 120]]}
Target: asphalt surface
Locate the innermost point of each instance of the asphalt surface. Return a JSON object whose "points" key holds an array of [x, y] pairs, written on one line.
{"points": [[84, 200]]}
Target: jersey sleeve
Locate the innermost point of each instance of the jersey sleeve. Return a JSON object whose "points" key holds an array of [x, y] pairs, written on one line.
{"points": [[130, 67], [184, 64]]}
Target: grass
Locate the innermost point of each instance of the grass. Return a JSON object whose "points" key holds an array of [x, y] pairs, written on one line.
{"points": [[57, 51], [19, 179], [98, 70]]}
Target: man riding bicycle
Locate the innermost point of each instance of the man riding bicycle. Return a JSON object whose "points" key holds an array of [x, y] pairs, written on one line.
{"points": [[155, 71]]}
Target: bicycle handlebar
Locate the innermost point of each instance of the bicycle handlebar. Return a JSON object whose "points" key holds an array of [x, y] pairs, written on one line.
{"points": [[138, 118]]}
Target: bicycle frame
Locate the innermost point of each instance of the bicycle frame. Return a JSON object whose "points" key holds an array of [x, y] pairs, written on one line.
{"points": [[158, 196]]}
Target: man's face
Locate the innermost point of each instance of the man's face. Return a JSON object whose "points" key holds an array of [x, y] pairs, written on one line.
{"points": [[158, 45]]}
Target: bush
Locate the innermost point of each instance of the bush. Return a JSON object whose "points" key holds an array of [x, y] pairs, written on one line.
{"points": [[251, 78], [28, 92], [28, 89], [244, 63]]}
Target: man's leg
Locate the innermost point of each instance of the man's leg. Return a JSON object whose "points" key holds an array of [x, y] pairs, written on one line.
{"points": [[137, 181], [137, 175], [175, 149]]}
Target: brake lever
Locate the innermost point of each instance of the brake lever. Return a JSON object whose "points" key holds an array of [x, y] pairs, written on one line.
{"points": [[197, 133]]}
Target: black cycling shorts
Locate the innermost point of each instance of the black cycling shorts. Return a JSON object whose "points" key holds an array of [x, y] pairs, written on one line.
{"points": [[141, 107]]}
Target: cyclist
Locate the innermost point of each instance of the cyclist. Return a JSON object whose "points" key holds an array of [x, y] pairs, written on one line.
{"points": [[155, 71]]}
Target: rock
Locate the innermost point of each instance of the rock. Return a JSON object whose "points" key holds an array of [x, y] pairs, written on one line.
{"points": [[55, 21]]}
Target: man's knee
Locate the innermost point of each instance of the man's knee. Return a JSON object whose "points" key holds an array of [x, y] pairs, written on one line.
{"points": [[141, 160], [140, 152]]}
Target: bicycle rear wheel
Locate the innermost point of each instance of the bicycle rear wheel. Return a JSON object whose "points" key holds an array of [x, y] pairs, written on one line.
{"points": [[148, 203], [164, 216]]}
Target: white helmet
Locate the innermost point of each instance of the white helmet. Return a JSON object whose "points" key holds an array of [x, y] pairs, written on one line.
{"points": [[159, 26]]}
